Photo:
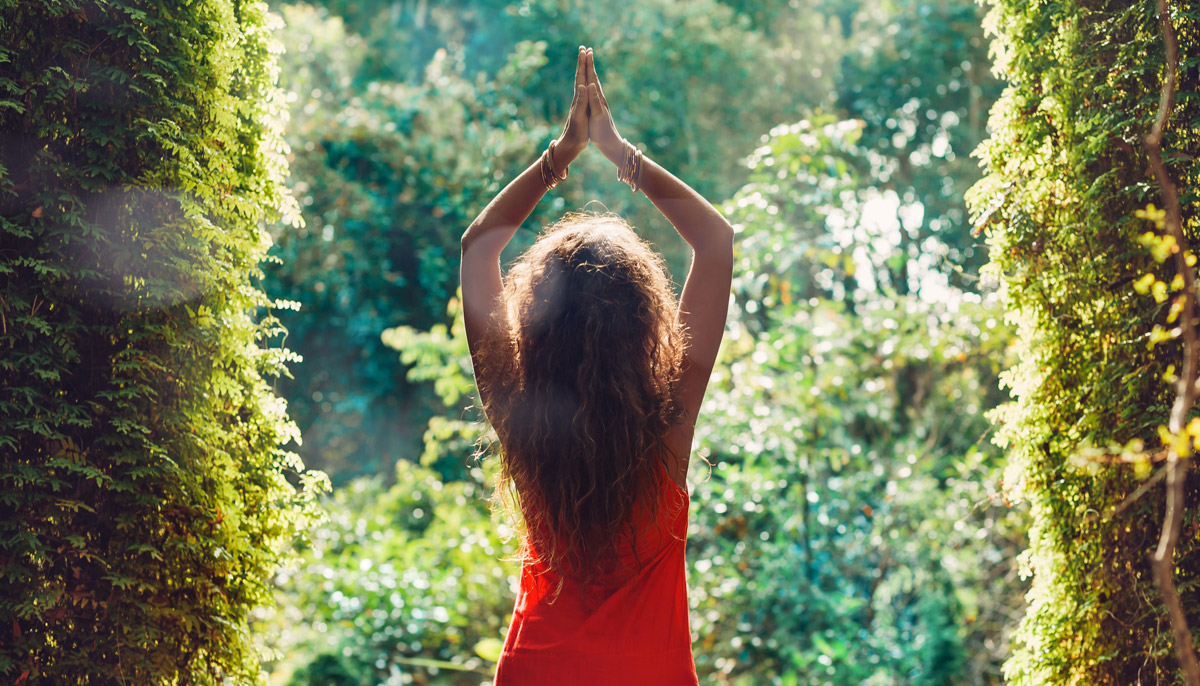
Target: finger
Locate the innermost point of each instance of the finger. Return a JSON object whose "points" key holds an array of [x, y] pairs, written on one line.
{"points": [[591, 67], [594, 100], [580, 69], [593, 77], [579, 108]]}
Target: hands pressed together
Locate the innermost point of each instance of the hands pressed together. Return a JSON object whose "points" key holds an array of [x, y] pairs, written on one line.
{"points": [[589, 118]]}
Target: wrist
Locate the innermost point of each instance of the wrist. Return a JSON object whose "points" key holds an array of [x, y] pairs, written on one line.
{"points": [[565, 152], [612, 148]]}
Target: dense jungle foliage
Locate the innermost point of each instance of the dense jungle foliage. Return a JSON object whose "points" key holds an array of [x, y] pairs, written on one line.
{"points": [[146, 497], [229, 238], [406, 117], [1067, 207], [852, 528]]}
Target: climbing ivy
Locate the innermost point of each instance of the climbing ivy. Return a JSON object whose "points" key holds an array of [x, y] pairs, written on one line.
{"points": [[146, 497], [1067, 180]]}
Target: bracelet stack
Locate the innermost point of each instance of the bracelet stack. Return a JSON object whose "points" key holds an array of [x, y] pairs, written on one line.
{"points": [[546, 167], [630, 170]]}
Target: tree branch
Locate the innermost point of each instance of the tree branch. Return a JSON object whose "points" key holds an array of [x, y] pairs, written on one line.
{"points": [[1185, 399]]}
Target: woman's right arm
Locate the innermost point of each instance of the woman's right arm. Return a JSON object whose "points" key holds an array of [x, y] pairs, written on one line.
{"points": [[486, 237], [705, 301]]}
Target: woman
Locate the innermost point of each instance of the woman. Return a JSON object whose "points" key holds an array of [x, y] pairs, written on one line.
{"points": [[592, 376]]}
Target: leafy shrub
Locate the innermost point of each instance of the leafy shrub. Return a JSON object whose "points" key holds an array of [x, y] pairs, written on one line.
{"points": [[388, 174], [852, 495], [1066, 175], [402, 579], [145, 496], [415, 577]]}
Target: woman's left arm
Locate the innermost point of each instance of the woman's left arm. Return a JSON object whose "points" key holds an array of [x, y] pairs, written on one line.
{"points": [[486, 237]]}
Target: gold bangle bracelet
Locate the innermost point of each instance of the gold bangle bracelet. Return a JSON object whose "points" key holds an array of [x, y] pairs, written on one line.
{"points": [[566, 169], [548, 179], [630, 169], [639, 159], [625, 169]]}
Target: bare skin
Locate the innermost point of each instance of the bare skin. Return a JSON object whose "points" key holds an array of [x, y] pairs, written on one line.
{"points": [[705, 300]]}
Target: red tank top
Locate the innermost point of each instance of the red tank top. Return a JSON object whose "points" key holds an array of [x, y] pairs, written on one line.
{"points": [[629, 632]]}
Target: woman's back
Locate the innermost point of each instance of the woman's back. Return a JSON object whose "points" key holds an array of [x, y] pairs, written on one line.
{"points": [[629, 626]]}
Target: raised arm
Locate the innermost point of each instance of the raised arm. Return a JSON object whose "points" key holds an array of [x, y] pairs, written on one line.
{"points": [[486, 237], [705, 300]]}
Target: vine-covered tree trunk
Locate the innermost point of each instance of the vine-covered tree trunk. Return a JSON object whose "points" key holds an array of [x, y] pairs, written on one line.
{"points": [[1090, 281], [144, 491]]}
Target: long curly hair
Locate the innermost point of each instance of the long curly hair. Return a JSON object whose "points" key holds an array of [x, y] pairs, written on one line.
{"points": [[581, 388]]}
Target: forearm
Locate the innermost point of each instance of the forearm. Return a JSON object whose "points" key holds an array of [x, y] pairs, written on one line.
{"points": [[697, 221], [497, 223]]}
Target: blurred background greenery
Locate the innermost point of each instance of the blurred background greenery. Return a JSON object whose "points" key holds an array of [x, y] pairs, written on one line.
{"points": [[851, 526]]}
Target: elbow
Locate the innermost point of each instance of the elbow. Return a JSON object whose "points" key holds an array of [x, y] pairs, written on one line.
{"points": [[717, 246], [723, 229], [468, 237], [723, 252], [727, 234], [722, 232]]}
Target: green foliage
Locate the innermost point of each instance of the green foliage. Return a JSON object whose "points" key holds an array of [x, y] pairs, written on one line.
{"points": [[853, 496], [441, 356], [329, 669], [436, 591], [1066, 179], [388, 175], [838, 537], [406, 119], [922, 90], [411, 578], [681, 71], [145, 496]]}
